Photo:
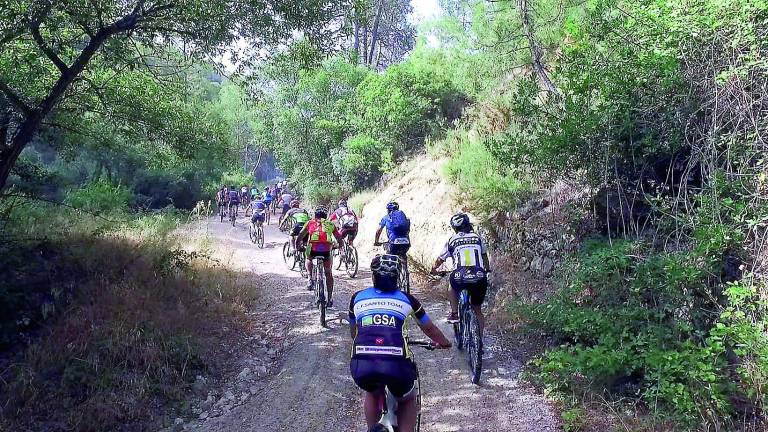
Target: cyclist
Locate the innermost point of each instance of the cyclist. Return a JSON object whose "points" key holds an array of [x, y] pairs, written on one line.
{"points": [[300, 217], [470, 259], [398, 229], [380, 354], [221, 197], [286, 198], [346, 221], [259, 212], [267, 197], [233, 199], [322, 237]]}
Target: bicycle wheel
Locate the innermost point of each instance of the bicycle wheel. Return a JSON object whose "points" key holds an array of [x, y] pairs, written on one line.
{"points": [[260, 237], [351, 261], [418, 403], [338, 255], [252, 234], [320, 283], [301, 260], [475, 351], [221, 214], [288, 255]]}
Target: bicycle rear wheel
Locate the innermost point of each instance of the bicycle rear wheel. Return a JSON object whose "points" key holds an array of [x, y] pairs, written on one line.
{"points": [[320, 282], [260, 237], [475, 348], [301, 260], [351, 261], [288, 256], [252, 234]]}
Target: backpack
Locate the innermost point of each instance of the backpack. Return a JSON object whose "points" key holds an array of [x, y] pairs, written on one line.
{"points": [[348, 219], [320, 231], [399, 223]]}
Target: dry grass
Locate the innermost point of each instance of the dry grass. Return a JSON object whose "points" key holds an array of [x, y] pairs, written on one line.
{"points": [[145, 319]]}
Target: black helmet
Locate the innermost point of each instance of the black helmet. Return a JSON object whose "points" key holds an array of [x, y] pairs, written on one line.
{"points": [[321, 213], [392, 206], [460, 222], [386, 272]]}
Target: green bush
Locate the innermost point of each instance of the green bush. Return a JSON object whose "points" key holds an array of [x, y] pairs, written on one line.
{"points": [[100, 196]]}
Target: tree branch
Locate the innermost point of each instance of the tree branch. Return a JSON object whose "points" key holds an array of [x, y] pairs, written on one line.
{"points": [[15, 99], [52, 56]]}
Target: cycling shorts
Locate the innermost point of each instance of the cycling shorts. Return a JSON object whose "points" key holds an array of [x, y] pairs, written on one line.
{"points": [[286, 207], [234, 202], [258, 217], [313, 253], [297, 228], [477, 288], [398, 375], [397, 249], [349, 233]]}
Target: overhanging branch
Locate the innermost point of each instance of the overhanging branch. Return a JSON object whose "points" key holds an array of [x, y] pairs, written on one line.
{"points": [[15, 99], [52, 56]]}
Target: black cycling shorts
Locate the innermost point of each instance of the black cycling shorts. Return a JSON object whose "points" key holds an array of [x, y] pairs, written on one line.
{"points": [[297, 228], [397, 249], [398, 375], [462, 279], [258, 217]]}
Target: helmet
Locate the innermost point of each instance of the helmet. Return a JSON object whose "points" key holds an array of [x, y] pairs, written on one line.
{"points": [[386, 272], [233, 187], [392, 206], [460, 222], [295, 203], [342, 203], [321, 213]]}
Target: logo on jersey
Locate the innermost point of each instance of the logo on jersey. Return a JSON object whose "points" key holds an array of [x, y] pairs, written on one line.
{"points": [[380, 320], [379, 341]]}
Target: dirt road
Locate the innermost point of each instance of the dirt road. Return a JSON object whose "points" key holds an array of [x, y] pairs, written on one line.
{"points": [[309, 388]]}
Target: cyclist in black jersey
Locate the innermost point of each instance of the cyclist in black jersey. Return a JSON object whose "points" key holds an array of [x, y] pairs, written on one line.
{"points": [[380, 354]]}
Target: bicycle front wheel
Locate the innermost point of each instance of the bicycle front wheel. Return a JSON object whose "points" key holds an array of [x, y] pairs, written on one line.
{"points": [[321, 302], [252, 234]]}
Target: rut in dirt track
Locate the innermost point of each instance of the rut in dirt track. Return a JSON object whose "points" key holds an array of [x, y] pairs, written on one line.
{"points": [[312, 390]]}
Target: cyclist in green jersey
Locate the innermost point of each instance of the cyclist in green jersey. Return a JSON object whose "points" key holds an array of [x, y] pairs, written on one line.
{"points": [[300, 217]]}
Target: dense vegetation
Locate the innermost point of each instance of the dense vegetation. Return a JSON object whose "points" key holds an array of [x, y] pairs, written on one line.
{"points": [[656, 108]]}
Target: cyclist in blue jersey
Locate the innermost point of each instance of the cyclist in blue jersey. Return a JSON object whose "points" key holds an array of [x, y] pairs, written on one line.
{"points": [[380, 355], [234, 198], [259, 211], [267, 197]]}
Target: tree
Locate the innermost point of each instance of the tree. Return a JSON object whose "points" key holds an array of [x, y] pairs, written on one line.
{"points": [[381, 33], [51, 50]]}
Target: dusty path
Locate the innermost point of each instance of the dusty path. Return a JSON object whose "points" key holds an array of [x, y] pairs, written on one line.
{"points": [[311, 389]]}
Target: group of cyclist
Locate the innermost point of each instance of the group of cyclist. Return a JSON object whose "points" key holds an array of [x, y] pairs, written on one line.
{"points": [[381, 357], [252, 199]]}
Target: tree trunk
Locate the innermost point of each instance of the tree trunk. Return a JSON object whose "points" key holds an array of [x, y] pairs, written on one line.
{"points": [[536, 52], [30, 124], [375, 32]]}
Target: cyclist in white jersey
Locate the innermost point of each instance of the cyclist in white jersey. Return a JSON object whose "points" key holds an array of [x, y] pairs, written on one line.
{"points": [[471, 267]]}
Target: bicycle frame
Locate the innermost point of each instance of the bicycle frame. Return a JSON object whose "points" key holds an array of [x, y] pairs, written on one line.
{"points": [[320, 298], [389, 416]]}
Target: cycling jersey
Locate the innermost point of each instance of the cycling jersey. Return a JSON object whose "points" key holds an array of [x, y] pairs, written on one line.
{"points": [[381, 319], [466, 250], [259, 206], [346, 217], [267, 198], [322, 235], [299, 215], [234, 197]]}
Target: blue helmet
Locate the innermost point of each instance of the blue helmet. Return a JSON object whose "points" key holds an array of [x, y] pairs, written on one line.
{"points": [[392, 206]]}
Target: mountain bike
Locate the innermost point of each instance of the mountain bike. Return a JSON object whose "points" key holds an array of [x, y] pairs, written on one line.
{"points": [[388, 422], [286, 224], [466, 331], [256, 233], [294, 257], [404, 281], [318, 286], [348, 258], [232, 213]]}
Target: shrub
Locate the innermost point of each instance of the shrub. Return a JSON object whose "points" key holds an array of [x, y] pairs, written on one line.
{"points": [[100, 196]]}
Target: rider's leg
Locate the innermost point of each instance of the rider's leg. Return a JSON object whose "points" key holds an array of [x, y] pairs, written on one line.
{"points": [[310, 266], [480, 317], [372, 404], [328, 264], [453, 296], [407, 412]]}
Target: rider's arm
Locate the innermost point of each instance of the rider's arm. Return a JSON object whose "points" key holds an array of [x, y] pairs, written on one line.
{"points": [[352, 318], [438, 262], [378, 234], [426, 325], [444, 254], [303, 233]]}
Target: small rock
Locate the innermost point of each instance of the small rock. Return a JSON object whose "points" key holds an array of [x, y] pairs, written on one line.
{"points": [[261, 370], [199, 385], [244, 374], [253, 390], [178, 425], [203, 416], [209, 401]]}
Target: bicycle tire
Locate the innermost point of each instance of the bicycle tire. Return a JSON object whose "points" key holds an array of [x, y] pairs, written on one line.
{"points": [[418, 403], [338, 254], [352, 261], [252, 234], [476, 349], [288, 256], [320, 281], [302, 262], [260, 237]]}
